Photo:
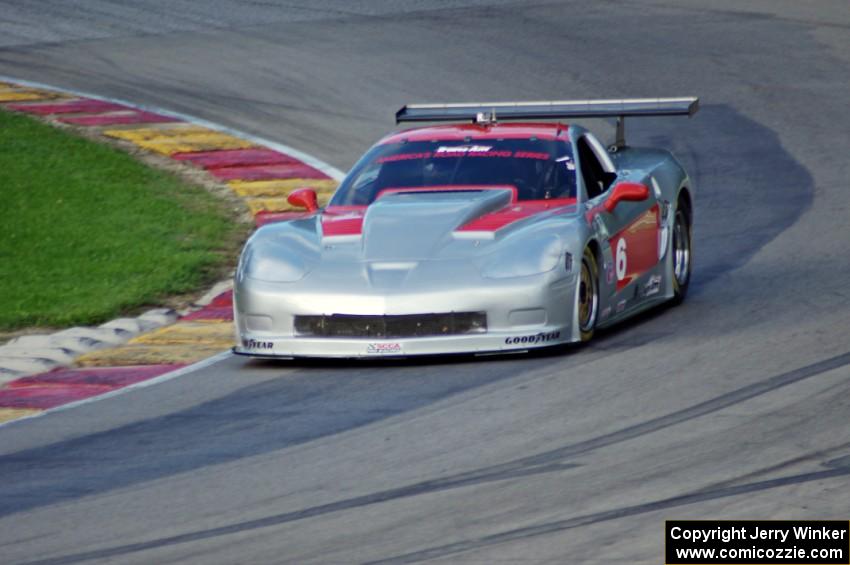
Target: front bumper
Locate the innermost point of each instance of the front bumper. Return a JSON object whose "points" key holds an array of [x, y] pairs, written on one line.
{"points": [[522, 313], [518, 340]]}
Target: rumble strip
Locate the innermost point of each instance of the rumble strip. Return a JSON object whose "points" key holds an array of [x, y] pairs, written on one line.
{"points": [[45, 372]]}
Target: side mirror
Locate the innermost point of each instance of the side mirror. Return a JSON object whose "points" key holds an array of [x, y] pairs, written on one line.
{"points": [[304, 198], [631, 191]]}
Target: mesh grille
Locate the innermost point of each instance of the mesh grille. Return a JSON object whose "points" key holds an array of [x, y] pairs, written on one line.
{"points": [[413, 325]]}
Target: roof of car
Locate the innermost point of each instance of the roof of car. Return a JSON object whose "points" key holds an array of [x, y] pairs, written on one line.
{"points": [[462, 132]]}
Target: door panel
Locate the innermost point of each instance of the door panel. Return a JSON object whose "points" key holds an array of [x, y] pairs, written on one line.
{"points": [[635, 247], [632, 229]]}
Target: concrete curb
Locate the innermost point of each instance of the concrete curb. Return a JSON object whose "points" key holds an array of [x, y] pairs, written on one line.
{"points": [[30, 354]]}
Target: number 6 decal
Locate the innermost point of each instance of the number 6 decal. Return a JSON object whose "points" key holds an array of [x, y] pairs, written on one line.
{"points": [[621, 259]]}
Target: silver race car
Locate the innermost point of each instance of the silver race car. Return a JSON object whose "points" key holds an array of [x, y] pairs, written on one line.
{"points": [[501, 232]]}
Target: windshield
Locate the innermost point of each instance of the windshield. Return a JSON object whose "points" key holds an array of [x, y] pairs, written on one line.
{"points": [[540, 169]]}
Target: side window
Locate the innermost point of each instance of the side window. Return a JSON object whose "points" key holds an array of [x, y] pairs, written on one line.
{"points": [[596, 179]]}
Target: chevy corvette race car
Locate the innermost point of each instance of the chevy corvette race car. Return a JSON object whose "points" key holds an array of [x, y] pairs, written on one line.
{"points": [[479, 236]]}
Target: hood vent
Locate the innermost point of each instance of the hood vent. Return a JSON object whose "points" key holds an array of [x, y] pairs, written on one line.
{"points": [[412, 226]]}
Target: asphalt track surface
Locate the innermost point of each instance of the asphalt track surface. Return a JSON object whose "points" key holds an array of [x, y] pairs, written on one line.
{"points": [[734, 405]]}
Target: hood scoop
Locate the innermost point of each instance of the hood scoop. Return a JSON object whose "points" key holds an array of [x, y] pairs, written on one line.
{"points": [[414, 225], [389, 275]]}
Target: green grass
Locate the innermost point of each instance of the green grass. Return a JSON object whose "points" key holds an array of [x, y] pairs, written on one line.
{"points": [[88, 233]]}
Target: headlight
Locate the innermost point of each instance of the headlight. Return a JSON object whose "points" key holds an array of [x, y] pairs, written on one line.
{"points": [[272, 269], [526, 257], [273, 262]]}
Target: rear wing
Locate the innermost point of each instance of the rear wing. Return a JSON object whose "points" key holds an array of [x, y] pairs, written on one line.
{"points": [[490, 112]]}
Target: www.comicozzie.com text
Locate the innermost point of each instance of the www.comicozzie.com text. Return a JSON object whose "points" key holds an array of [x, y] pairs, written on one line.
{"points": [[727, 534]]}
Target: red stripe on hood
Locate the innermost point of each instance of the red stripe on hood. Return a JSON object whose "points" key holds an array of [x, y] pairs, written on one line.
{"points": [[348, 220], [343, 220], [515, 212]]}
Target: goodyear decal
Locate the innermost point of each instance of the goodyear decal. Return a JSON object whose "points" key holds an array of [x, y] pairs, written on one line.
{"points": [[254, 344], [542, 337]]}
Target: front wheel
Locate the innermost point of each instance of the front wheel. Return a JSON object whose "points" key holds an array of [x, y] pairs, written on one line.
{"points": [[681, 249], [587, 301]]}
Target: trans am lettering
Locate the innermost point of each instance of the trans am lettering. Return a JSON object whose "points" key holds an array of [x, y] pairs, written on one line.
{"points": [[254, 344], [652, 286], [536, 338]]}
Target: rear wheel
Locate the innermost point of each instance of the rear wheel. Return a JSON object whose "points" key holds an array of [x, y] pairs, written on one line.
{"points": [[587, 302], [681, 250]]}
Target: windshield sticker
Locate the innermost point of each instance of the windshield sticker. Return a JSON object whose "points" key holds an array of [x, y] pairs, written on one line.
{"points": [[465, 149], [473, 154], [469, 151], [532, 155], [404, 157]]}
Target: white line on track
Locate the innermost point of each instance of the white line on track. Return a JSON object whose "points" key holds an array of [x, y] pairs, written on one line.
{"points": [[141, 384]]}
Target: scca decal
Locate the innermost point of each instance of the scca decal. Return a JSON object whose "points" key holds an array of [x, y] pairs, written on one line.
{"points": [[384, 349], [254, 344], [536, 338]]}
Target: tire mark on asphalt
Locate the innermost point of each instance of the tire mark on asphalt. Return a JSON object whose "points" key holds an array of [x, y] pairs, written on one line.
{"points": [[332, 398], [820, 454], [546, 462], [607, 515]]}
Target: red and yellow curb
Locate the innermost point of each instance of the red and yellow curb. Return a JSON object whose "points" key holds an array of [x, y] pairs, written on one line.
{"points": [[16, 93], [261, 176], [9, 414]]}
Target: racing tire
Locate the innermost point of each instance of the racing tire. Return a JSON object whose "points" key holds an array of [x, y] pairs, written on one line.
{"points": [[682, 254], [587, 297]]}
